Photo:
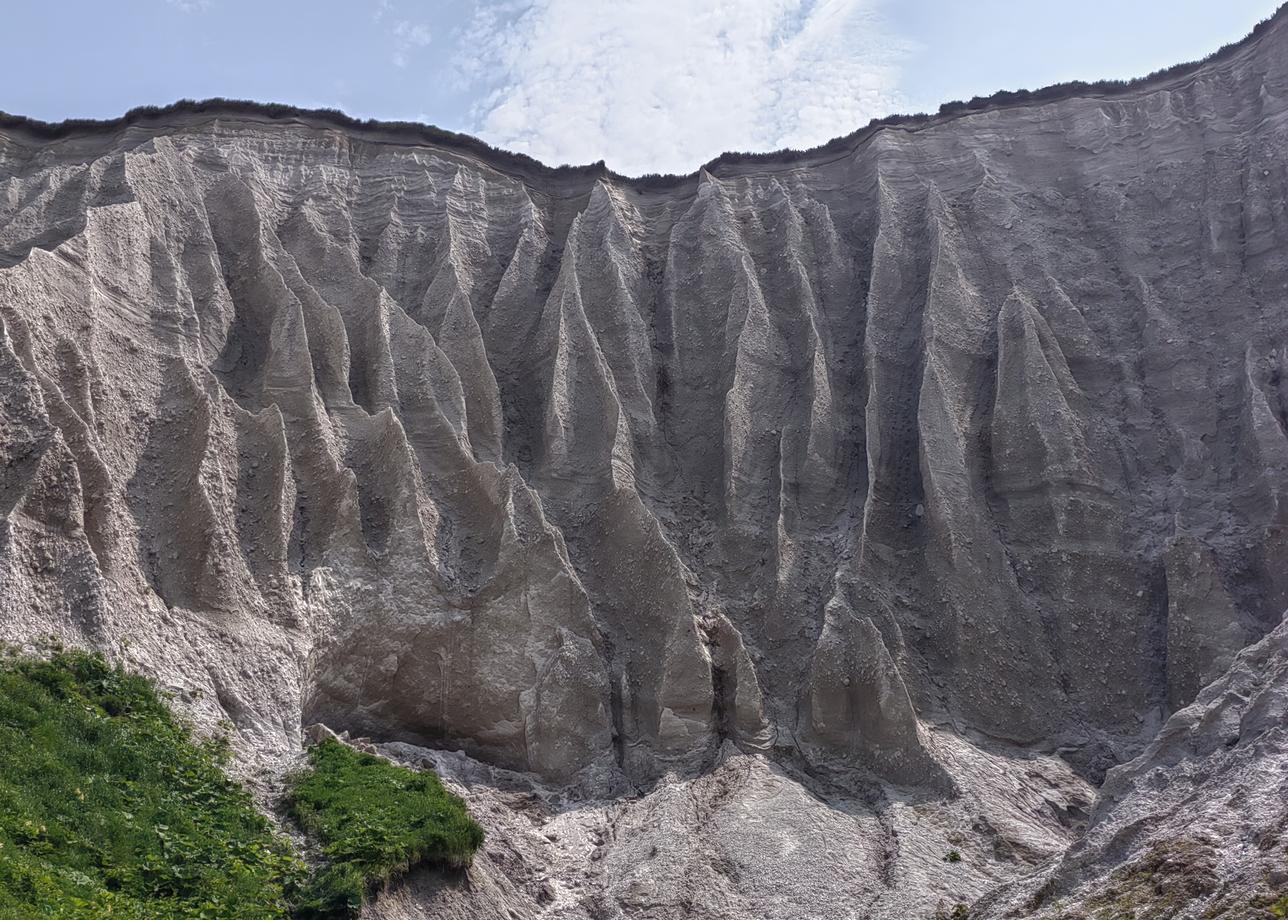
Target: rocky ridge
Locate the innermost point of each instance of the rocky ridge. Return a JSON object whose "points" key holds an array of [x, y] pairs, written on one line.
{"points": [[842, 491]]}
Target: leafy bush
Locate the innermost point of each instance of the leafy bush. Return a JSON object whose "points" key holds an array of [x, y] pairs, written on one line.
{"points": [[108, 808], [953, 856], [373, 820]]}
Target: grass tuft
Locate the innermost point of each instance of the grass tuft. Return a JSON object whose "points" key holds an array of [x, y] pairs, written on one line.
{"points": [[373, 820]]}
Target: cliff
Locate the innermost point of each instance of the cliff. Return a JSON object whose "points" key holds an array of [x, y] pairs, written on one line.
{"points": [[945, 448]]}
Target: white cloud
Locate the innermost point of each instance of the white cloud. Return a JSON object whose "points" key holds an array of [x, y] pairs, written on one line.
{"points": [[415, 34], [190, 6], [665, 85], [408, 36]]}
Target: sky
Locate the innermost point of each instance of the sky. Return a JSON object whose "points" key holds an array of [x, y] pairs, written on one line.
{"points": [[647, 85]]}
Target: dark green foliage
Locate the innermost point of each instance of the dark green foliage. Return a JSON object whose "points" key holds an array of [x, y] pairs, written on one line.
{"points": [[372, 820], [109, 809], [953, 856]]}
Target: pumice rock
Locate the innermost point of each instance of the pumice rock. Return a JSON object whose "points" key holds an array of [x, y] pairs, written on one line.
{"points": [[740, 544]]}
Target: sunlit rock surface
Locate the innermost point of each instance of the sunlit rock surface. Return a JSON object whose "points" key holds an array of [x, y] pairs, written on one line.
{"points": [[862, 478]]}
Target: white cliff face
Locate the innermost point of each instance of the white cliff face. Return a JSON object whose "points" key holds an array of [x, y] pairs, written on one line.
{"points": [[973, 431]]}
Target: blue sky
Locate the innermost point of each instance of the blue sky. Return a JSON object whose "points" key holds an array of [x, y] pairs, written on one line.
{"points": [[648, 85]]}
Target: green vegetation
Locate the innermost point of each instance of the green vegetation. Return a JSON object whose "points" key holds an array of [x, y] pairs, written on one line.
{"points": [[1272, 905], [108, 808], [1172, 875], [373, 820], [953, 857]]}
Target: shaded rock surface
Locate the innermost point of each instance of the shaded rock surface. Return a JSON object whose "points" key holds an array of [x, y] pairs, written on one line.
{"points": [[968, 442], [748, 838], [1196, 826]]}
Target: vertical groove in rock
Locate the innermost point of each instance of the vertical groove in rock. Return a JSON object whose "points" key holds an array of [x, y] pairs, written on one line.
{"points": [[976, 424]]}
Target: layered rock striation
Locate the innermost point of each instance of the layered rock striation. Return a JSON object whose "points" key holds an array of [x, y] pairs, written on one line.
{"points": [[978, 423]]}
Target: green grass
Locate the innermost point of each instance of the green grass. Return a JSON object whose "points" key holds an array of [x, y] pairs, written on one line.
{"points": [[373, 820], [110, 809]]}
